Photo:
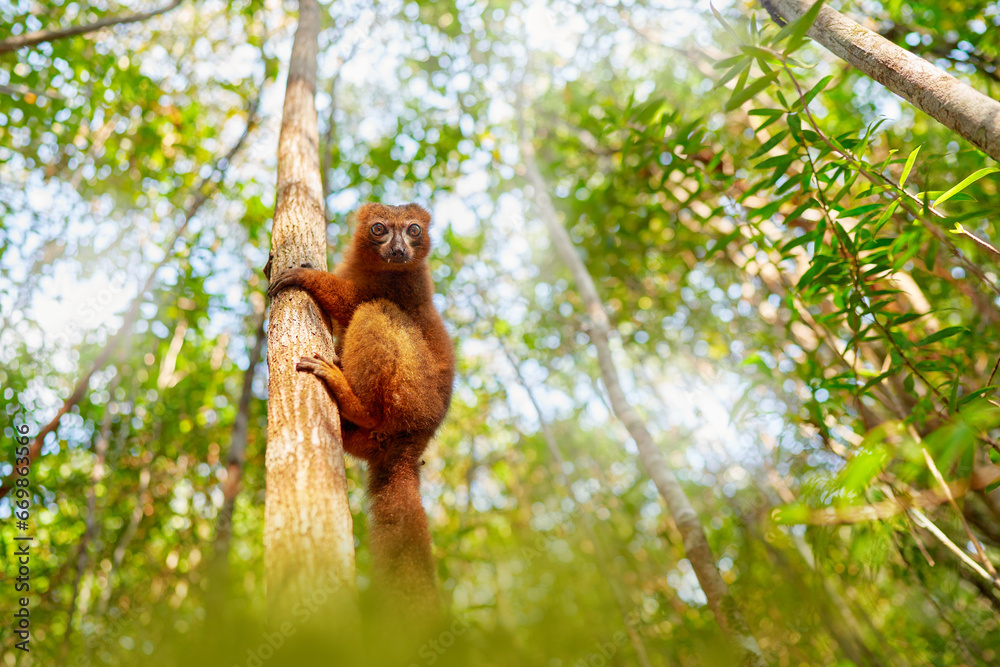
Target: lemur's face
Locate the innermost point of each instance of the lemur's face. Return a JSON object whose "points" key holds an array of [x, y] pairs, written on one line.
{"points": [[397, 234]]}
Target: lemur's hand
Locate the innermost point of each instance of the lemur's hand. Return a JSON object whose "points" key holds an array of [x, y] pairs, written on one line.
{"points": [[289, 278]]}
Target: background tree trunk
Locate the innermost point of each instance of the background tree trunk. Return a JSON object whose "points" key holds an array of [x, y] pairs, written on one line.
{"points": [[308, 532], [238, 449], [696, 546]]}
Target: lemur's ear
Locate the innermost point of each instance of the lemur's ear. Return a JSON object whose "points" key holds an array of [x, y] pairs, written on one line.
{"points": [[418, 212], [370, 210]]}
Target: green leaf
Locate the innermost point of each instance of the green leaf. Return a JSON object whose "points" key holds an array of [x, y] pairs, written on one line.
{"points": [[858, 211], [908, 166], [976, 394], [866, 464], [776, 161], [844, 237], [941, 335], [886, 214], [727, 62], [738, 68], [769, 144], [802, 27], [742, 96], [816, 90], [756, 360], [791, 514], [762, 54], [964, 184], [796, 242], [725, 25], [875, 380]]}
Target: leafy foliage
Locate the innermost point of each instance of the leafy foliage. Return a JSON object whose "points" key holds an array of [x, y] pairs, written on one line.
{"points": [[799, 271]]}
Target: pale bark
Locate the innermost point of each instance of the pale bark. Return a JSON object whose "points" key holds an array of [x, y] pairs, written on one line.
{"points": [[33, 38], [954, 104], [727, 614], [308, 531]]}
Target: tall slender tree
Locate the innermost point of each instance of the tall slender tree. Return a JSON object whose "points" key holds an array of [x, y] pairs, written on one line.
{"points": [[699, 552], [308, 534]]}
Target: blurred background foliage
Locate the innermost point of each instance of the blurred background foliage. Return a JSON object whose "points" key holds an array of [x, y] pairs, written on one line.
{"points": [[804, 315]]}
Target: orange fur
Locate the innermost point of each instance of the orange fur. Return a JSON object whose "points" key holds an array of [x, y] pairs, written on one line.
{"points": [[392, 380]]}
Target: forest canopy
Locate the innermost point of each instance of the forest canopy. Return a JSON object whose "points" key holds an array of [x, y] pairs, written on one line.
{"points": [[725, 307]]}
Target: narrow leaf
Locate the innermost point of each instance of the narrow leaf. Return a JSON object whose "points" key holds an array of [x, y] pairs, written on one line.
{"points": [[728, 28], [769, 144], [941, 335], [908, 166], [964, 184], [742, 96], [802, 27]]}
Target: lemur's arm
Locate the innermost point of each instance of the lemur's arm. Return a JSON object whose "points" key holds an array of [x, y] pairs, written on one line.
{"points": [[336, 297]]}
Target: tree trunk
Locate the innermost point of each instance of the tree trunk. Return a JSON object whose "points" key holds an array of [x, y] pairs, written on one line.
{"points": [[237, 451], [563, 486], [727, 614], [308, 531], [954, 104]]}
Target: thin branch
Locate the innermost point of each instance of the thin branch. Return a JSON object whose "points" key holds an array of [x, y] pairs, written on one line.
{"points": [[201, 194], [853, 260], [911, 203], [937, 606], [985, 245], [980, 479], [560, 464], [965, 524], [921, 520], [993, 372], [34, 38]]}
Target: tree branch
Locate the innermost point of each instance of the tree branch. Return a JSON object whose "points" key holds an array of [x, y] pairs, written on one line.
{"points": [[33, 38], [954, 104], [201, 194]]}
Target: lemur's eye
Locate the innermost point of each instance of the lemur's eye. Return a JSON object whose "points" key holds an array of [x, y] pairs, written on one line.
{"points": [[378, 229], [413, 230]]}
